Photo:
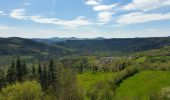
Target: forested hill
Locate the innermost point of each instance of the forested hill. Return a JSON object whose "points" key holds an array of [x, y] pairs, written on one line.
{"points": [[21, 46], [116, 45]]}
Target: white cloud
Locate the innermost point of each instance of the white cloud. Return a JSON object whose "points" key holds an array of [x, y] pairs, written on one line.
{"points": [[82, 33], [167, 2], [2, 12], [104, 7], [18, 14], [104, 16], [27, 3], [138, 17], [104, 12], [93, 2], [5, 27], [80, 21], [146, 4]]}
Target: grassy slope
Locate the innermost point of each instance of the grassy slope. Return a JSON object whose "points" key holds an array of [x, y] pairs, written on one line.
{"points": [[88, 79], [142, 84]]}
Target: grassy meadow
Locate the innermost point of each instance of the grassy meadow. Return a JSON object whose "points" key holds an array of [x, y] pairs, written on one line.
{"points": [[142, 84]]}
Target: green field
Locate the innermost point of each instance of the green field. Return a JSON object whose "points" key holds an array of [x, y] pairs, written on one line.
{"points": [[88, 79], [139, 86], [141, 59], [142, 84]]}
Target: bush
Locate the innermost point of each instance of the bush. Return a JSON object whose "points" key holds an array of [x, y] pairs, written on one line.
{"points": [[29, 90], [130, 71], [164, 94], [101, 91]]}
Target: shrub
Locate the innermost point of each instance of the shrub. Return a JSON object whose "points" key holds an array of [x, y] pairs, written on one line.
{"points": [[130, 71], [101, 91], [164, 94], [29, 90]]}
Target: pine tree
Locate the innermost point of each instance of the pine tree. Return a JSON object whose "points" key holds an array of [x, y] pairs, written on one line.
{"points": [[81, 67], [39, 72], [51, 74], [19, 70], [11, 74], [44, 79], [33, 71], [24, 70], [54, 78], [2, 78]]}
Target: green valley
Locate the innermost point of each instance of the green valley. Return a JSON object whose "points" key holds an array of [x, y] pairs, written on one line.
{"points": [[84, 70]]}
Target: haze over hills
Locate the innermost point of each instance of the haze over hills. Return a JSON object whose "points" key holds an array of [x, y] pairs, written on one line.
{"points": [[22, 46], [76, 46], [58, 39], [123, 45]]}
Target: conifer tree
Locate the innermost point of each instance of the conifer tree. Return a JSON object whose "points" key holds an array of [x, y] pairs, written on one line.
{"points": [[81, 67], [18, 70], [24, 70], [54, 78], [51, 74], [11, 74], [33, 71], [44, 79], [39, 72], [2, 78]]}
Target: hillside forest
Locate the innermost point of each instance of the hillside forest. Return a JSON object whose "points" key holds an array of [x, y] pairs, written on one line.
{"points": [[106, 69]]}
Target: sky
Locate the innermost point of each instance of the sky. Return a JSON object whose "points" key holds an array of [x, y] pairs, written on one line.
{"points": [[84, 18]]}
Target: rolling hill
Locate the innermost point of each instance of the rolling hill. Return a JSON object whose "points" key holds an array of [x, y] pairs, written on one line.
{"points": [[21, 46], [125, 45], [57, 39]]}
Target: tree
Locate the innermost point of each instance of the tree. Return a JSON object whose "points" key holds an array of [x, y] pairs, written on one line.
{"points": [[11, 74], [33, 71], [43, 81], [28, 90], [2, 78], [24, 70], [39, 71], [54, 78], [51, 73], [19, 70], [42, 76], [81, 67], [69, 89], [101, 90]]}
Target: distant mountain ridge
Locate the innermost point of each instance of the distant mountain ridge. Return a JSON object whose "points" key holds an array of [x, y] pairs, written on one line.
{"points": [[22, 46], [121, 45], [57, 39]]}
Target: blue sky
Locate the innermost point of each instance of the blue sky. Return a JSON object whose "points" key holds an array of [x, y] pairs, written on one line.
{"points": [[84, 18]]}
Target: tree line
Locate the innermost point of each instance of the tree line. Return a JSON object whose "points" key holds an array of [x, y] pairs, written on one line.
{"points": [[56, 80]]}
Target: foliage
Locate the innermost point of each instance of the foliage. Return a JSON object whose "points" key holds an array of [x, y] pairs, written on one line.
{"points": [[19, 70], [27, 47], [128, 72], [99, 77], [11, 74], [101, 91], [88, 80], [163, 94], [112, 46], [29, 90], [44, 78], [105, 47], [2, 78]]}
